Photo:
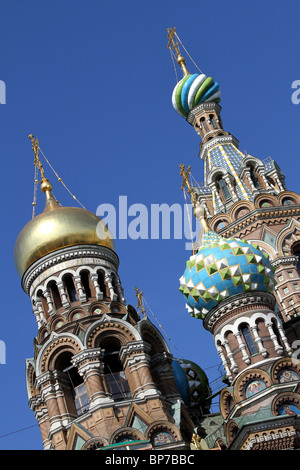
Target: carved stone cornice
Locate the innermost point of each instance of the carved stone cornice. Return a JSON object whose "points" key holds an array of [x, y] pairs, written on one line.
{"points": [[65, 254], [238, 304], [285, 260]]}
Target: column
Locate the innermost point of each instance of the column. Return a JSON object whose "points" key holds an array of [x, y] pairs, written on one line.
{"points": [[82, 295], [278, 347], [233, 364], [98, 292], [258, 341], [108, 280], [224, 362], [49, 301], [63, 295]]}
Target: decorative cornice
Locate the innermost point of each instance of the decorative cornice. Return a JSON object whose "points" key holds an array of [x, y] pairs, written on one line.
{"points": [[285, 260], [202, 107], [236, 304], [65, 254]]}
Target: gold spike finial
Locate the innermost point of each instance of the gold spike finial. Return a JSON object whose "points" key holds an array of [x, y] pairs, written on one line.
{"points": [[180, 59], [139, 295]]}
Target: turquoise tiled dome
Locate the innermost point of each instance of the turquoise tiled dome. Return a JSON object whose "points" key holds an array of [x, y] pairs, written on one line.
{"points": [[223, 268]]}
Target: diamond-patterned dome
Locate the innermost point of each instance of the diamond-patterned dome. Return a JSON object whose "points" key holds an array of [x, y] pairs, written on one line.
{"points": [[223, 268]]}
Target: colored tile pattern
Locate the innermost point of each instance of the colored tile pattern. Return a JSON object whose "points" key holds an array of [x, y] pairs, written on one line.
{"points": [[223, 268]]}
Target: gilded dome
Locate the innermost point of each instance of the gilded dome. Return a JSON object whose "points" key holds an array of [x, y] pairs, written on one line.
{"points": [[55, 228]]}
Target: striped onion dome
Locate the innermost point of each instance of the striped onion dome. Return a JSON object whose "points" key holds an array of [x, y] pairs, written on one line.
{"points": [[221, 269], [192, 90]]}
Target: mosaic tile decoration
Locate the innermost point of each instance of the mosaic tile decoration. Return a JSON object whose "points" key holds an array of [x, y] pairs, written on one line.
{"points": [[221, 269]]}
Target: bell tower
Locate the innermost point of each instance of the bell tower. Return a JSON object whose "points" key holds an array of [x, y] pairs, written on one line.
{"points": [[101, 373]]}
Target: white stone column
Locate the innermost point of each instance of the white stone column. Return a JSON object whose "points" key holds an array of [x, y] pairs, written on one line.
{"points": [[108, 280], [82, 295], [278, 347], [224, 362], [63, 295], [47, 296], [94, 279], [233, 364], [258, 341]]}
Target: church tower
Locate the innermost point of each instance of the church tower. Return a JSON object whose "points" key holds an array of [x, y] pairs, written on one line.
{"points": [[101, 374], [242, 279]]}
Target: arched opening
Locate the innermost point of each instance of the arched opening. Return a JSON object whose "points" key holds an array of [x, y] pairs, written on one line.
{"points": [[76, 396], [54, 292], [85, 279], [43, 301], [248, 339], [101, 283], [70, 287], [224, 189], [115, 377], [254, 178]]}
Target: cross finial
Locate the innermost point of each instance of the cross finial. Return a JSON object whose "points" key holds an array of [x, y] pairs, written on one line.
{"points": [[171, 43], [185, 173], [37, 161], [139, 295]]}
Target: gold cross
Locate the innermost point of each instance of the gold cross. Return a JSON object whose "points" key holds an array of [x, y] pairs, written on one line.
{"points": [[186, 182], [37, 161], [139, 295], [171, 34]]}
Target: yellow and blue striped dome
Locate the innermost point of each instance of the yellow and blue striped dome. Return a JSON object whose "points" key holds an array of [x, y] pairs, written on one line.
{"points": [[194, 89], [223, 268]]}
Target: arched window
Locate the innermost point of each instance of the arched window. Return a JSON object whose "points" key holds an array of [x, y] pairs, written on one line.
{"points": [[43, 301], [54, 292], [254, 178], [85, 279], [115, 378], [70, 286], [75, 392], [203, 123], [212, 120], [248, 339], [224, 189], [102, 283]]}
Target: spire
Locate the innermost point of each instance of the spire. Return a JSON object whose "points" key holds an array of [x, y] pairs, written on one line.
{"points": [[46, 186]]}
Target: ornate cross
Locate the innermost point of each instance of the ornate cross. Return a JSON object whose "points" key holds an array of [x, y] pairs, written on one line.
{"points": [[185, 173], [139, 295]]}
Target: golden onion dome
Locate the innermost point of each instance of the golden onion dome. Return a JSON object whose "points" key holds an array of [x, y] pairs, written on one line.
{"points": [[55, 228]]}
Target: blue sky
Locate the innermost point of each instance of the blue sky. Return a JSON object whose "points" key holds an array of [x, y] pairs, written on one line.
{"points": [[93, 81]]}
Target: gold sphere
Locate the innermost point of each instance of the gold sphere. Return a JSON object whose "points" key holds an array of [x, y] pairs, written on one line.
{"points": [[55, 228]]}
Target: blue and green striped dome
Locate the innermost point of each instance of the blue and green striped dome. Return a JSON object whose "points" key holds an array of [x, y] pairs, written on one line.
{"points": [[221, 269], [194, 89]]}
